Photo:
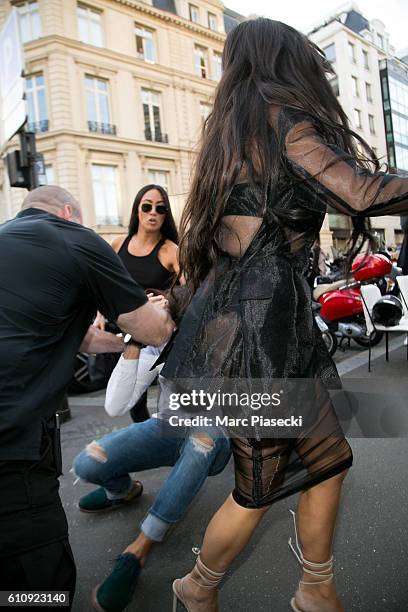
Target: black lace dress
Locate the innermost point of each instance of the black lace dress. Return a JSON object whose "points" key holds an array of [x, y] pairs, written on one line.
{"points": [[251, 317]]}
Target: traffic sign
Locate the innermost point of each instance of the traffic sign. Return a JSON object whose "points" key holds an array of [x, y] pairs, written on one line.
{"points": [[12, 104]]}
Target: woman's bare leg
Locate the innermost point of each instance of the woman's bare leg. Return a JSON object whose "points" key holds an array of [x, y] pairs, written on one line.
{"points": [[317, 512], [232, 526], [140, 547], [227, 534]]}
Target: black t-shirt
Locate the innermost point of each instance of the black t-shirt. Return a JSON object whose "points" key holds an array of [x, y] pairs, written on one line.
{"points": [[54, 275]]}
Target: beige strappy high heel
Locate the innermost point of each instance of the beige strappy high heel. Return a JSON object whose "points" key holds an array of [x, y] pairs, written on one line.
{"points": [[197, 591], [319, 570]]}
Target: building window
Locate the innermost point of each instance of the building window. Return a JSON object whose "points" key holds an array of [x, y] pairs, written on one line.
{"points": [[90, 25], [36, 103], [398, 237], [105, 192], [365, 60], [371, 124], [334, 83], [49, 173], [354, 81], [352, 52], [159, 177], [399, 128], [398, 93], [357, 118], [29, 19], [369, 92], [205, 110], [152, 116], [391, 157], [194, 13], [217, 66], [380, 39], [330, 53], [200, 61], [145, 44], [379, 234], [213, 22], [97, 102]]}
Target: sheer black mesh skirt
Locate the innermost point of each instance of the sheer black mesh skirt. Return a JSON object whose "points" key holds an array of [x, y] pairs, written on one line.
{"points": [[251, 319]]}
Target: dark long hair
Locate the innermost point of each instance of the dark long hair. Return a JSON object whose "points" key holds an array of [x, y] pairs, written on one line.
{"points": [[168, 229], [264, 62]]}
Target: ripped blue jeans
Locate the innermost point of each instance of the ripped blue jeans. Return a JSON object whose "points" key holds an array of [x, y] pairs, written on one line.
{"points": [[143, 446]]}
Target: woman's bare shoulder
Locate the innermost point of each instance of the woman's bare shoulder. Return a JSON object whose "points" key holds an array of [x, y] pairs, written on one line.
{"points": [[169, 246], [169, 255]]}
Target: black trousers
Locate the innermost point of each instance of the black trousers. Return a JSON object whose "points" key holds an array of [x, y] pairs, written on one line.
{"points": [[139, 412], [35, 554]]}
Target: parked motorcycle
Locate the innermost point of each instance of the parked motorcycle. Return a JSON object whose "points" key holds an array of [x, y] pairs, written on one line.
{"points": [[341, 305], [329, 337]]}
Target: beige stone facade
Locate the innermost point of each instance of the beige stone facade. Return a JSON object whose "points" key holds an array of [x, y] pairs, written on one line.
{"points": [[141, 82], [355, 57], [119, 89]]}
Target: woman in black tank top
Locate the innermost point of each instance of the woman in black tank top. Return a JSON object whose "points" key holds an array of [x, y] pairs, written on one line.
{"points": [[146, 269], [149, 252]]}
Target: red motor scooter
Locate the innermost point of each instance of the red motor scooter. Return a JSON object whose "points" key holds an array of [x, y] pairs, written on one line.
{"points": [[341, 305]]}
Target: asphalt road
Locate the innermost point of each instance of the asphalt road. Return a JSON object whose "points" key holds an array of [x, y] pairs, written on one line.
{"points": [[371, 564]]}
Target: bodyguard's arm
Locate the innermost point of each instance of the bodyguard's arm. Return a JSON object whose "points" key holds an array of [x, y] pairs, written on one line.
{"points": [[149, 324], [97, 341]]}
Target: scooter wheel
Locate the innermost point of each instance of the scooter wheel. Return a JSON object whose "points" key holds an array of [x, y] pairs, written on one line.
{"points": [[376, 338], [330, 340]]}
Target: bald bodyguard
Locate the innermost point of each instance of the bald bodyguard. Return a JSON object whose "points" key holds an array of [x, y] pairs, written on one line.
{"points": [[54, 275]]}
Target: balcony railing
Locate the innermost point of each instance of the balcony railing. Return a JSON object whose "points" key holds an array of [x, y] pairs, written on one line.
{"points": [[38, 126], [156, 136], [102, 128]]}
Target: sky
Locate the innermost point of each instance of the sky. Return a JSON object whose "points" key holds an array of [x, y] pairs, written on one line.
{"points": [[302, 14]]}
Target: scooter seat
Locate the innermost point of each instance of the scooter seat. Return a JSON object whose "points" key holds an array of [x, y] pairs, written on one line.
{"points": [[325, 287]]}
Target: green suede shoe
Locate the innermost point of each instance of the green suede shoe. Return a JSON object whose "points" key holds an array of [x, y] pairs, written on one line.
{"points": [[116, 592], [97, 501]]}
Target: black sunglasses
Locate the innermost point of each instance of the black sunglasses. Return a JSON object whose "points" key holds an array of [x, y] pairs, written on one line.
{"points": [[161, 209]]}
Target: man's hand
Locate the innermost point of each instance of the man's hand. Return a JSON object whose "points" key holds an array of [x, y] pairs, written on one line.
{"points": [[150, 324], [97, 341]]}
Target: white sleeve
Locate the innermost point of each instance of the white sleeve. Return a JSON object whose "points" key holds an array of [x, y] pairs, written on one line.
{"points": [[129, 380]]}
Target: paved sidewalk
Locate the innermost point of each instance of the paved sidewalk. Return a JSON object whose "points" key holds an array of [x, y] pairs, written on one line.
{"points": [[371, 543]]}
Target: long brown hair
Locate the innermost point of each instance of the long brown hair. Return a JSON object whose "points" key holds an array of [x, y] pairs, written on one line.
{"points": [[264, 62]]}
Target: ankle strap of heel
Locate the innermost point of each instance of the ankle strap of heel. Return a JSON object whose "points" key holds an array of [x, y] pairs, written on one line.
{"points": [[204, 577], [319, 570]]}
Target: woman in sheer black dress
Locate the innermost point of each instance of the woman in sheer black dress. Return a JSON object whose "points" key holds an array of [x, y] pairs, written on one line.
{"points": [[276, 151]]}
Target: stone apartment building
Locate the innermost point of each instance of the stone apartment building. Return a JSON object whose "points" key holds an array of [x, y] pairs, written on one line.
{"points": [[358, 48], [117, 91]]}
